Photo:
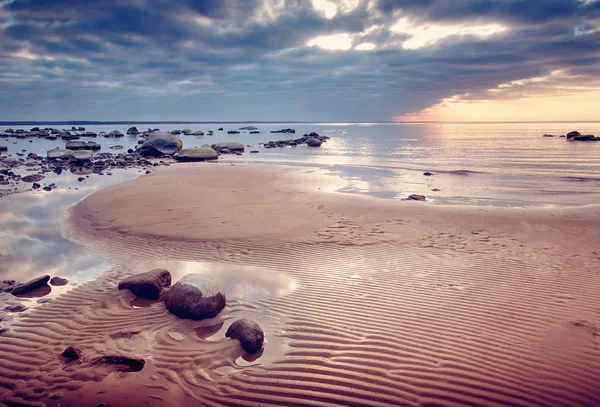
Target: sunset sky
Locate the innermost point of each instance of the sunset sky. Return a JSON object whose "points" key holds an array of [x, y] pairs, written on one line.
{"points": [[321, 60]]}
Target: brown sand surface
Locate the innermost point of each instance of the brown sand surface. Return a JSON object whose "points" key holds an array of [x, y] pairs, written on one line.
{"points": [[394, 302]]}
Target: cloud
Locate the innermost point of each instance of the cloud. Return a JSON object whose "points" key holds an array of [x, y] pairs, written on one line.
{"points": [[280, 59]]}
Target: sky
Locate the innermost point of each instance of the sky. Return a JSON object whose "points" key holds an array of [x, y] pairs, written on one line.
{"points": [[300, 60]]}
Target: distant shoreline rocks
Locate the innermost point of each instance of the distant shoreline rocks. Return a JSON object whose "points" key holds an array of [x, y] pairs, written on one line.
{"points": [[575, 136]]}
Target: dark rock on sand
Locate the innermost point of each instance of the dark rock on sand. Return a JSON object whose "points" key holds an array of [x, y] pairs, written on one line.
{"points": [[26, 288], [160, 143], [427, 174], [415, 197], [147, 285], [196, 154], [71, 353], [249, 334], [227, 147], [572, 134], [57, 281], [196, 296], [121, 363], [15, 308]]}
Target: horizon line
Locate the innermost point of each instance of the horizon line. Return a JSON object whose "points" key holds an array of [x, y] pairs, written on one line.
{"points": [[115, 122]]}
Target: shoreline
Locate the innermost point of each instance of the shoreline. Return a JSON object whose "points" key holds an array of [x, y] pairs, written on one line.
{"points": [[396, 302]]}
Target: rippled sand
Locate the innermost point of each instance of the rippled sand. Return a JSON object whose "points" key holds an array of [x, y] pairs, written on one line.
{"points": [[379, 302]]}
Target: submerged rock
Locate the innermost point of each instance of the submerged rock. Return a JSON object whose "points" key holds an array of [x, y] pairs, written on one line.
{"points": [[160, 143], [585, 137], [313, 142], [26, 288], [82, 145], [250, 335], [82, 155], [572, 134], [196, 296], [228, 147], [196, 154], [59, 153], [121, 363], [147, 285], [415, 197]]}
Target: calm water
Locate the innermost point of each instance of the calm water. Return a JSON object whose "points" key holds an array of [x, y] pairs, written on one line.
{"points": [[505, 164], [510, 164]]}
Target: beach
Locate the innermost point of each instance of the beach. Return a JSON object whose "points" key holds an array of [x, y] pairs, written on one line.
{"points": [[363, 300]]}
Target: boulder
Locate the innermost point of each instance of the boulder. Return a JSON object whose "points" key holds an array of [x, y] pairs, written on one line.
{"points": [[132, 130], [160, 143], [572, 134], [548, 135], [249, 128], [33, 178], [32, 285], [57, 281], [3, 148], [255, 132], [59, 153], [114, 133], [283, 131], [219, 129], [15, 308], [147, 285], [198, 133], [196, 154], [585, 137], [427, 174], [187, 132], [249, 334], [229, 147], [233, 132], [82, 155], [176, 132], [313, 142], [196, 296]]}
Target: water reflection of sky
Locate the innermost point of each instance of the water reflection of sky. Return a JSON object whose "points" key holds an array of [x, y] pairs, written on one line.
{"points": [[239, 281], [31, 243]]}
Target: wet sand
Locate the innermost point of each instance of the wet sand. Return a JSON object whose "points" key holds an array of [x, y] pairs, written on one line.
{"points": [[393, 302]]}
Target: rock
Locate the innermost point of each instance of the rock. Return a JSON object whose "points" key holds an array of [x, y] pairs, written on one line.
{"points": [[283, 131], [254, 151], [3, 148], [585, 137], [249, 128], [132, 130], [313, 142], [47, 188], [548, 135], [198, 133], [57, 281], [176, 132], [219, 129], [82, 145], [415, 197], [233, 132], [80, 179], [35, 185], [32, 285], [249, 334], [15, 308], [82, 155], [147, 285], [572, 134], [33, 178], [114, 133], [427, 174], [196, 154], [187, 132], [117, 147], [228, 147], [122, 363], [59, 153], [71, 353], [255, 132], [160, 143], [196, 296]]}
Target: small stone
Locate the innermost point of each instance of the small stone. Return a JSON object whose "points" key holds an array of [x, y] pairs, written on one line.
{"points": [[71, 353], [427, 174], [250, 335]]}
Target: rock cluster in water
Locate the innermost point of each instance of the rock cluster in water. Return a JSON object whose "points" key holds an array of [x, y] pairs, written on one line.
{"points": [[311, 140], [576, 136]]}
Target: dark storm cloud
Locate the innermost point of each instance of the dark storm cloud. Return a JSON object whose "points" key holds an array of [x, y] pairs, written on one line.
{"points": [[112, 59]]}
